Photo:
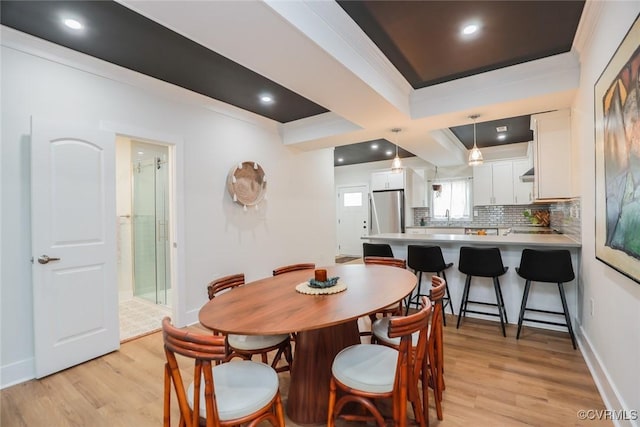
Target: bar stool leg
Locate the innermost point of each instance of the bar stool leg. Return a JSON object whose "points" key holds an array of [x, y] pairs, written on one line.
{"points": [[446, 300], [415, 299], [566, 315], [523, 307], [501, 313], [504, 310], [463, 303]]}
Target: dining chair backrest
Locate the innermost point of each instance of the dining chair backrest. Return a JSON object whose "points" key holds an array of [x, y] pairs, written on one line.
{"points": [[380, 260], [293, 267], [411, 360], [377, 249], [250, 389], [223, 283], [400, 370], [203, 349]]}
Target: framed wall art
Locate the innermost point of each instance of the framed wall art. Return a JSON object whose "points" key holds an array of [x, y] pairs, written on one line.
{"points": [[617, 138]]}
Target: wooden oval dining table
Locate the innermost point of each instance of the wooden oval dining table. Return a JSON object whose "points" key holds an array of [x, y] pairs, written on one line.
{"points": [[324, 324]]}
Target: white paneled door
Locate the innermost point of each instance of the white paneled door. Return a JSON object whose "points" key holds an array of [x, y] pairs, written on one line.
{"points": [[353, 214], [75, 300]]}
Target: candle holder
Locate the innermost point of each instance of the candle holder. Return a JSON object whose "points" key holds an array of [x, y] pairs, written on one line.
{"points": [[320, 275]]}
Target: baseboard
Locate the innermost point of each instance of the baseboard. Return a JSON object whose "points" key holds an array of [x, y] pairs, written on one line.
{"points": [[191, 317], [600, 376], [17, 372]]}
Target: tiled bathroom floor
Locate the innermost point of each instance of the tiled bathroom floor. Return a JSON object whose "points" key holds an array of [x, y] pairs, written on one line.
{"points": [[139, 317]]}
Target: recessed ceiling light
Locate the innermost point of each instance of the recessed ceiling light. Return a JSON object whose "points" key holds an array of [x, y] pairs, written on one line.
{"points": [[501, 129], [266, 99], [388, 152], [340, 160], [502, 136], [469, 29], [374, 146], [73, 24]]}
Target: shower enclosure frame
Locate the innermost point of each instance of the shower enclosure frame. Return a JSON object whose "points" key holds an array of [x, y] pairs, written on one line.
{"points": [[151, 222]]}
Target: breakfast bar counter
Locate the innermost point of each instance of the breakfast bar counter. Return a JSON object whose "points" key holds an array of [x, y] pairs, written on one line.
{"points": [[542, 295], [551, 241]]}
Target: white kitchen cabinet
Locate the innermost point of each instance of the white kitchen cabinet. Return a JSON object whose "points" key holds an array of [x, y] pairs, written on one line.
{"points": [[552, 155], [522, 191], [387, 180], [493, 183]]}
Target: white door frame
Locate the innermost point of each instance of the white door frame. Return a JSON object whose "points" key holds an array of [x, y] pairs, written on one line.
{"points": [[175, 145]]}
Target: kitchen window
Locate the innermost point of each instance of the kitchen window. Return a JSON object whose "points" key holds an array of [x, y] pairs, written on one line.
{"points": [[453, 200]]}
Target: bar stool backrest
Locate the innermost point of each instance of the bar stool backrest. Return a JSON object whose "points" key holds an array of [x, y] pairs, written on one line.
{"points": [[482, 262], [376, 249], [425, 258], [551, 265]]}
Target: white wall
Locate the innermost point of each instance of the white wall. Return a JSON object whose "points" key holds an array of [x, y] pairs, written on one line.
{"points": [[611, 337], [293, 225]]}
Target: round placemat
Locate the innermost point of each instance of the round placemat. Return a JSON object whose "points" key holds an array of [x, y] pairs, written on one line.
{"points": [[304, 288]]}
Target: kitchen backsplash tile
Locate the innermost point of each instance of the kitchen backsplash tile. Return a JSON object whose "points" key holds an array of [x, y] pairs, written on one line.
{"points": [[565, 216]]}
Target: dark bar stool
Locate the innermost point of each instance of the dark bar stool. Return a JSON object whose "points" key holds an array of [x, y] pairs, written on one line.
{"points": [[428, 259], [482, 262], [376, 249], [547, 266]]}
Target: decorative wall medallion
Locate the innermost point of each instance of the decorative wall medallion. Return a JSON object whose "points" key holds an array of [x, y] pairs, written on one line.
{"points": [[247, 184]]}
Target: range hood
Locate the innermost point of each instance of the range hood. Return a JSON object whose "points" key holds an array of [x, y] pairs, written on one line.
{"points": [[527, 176]]}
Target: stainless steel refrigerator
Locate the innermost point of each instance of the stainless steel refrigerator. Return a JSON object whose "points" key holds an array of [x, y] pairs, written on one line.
{"points": [[387, 211]]}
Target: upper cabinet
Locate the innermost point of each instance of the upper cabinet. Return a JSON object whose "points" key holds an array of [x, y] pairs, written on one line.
{"points": [[387, 180], [498, 183], [522, 191], [552, 155], [493, 183]]}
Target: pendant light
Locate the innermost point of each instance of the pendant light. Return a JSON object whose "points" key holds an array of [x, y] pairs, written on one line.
{"points": [[396, 164], [437, 188], [475, 156]]}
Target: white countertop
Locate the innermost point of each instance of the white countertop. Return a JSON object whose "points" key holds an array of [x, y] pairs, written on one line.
{"points": [[549, 240]]}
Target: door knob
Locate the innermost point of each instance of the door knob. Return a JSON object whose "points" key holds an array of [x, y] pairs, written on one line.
{"points": [[44, 259]]}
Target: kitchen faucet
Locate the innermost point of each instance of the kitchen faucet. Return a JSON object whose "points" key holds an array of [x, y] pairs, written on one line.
{"points": [[448, 217]]}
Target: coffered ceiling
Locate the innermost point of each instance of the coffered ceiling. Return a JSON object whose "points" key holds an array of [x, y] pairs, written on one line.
{"points": [[343, 73]]}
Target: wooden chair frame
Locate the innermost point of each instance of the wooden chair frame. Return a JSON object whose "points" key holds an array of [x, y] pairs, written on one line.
{"points": [[434, 362], [282, 349], [409, 366], [432, 374], [293, 267], [204, 349], [390, 311]]}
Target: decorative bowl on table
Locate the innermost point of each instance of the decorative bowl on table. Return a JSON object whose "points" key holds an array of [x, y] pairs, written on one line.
{"points": [[331, 281]]}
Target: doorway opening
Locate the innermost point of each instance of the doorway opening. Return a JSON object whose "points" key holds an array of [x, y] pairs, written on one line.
{"points": [[144, 264]]}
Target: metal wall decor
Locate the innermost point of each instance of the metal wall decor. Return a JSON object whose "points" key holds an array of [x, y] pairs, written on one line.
{"points": [[247, 184]]}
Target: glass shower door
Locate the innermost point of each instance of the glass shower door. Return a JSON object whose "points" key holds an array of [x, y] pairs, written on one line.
{"points": [[150, 231]]}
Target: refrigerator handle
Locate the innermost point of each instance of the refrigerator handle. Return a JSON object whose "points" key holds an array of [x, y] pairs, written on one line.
{"points": [[370, 214]]}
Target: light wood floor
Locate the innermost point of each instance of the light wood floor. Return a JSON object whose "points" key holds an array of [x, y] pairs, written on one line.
{"points": [[490, 381]]}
